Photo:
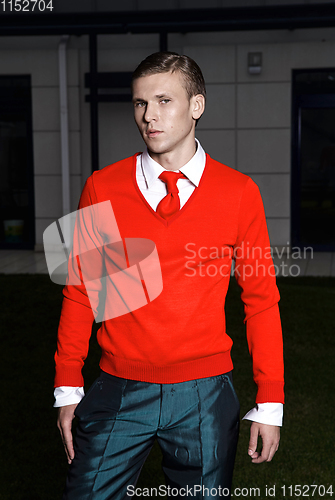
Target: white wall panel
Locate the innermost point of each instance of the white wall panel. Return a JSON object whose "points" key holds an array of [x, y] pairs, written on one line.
{"points": [[46, 113], [124, 59], [45, 102], [47, 153], [217, 63], [42, 65], [119, 136], [275, 191], [74, 108], [264, 150], [220, 107], [48, 198], [40, 226], [264, 105], [219, 144], [278, 59], [47, 156], [75, 191], [279, 231]]}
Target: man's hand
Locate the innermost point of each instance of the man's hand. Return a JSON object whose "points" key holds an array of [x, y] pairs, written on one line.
{"points": [[64, 424], [270, 435]]}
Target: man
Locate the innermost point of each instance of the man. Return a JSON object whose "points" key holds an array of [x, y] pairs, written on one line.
{"points": [[166, 367]]}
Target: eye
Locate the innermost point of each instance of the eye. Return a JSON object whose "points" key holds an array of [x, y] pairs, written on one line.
{"points": [[165, 101], [139, 104]]}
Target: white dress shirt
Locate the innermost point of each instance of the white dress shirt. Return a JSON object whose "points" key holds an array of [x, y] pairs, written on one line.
{"points": [[154, 190]]}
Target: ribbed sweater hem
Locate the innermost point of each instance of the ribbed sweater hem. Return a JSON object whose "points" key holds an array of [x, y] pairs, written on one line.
{"points": [[209, 366]]}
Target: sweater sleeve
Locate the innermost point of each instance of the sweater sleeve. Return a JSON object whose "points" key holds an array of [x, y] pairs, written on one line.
{"points": [[77, 317], [255, 274]]}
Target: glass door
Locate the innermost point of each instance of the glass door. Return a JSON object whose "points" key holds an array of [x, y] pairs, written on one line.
{"points": [[16, 168], [313, 171]]}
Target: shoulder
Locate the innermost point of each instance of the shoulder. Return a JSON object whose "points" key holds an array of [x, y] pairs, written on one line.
{"points": [[120, 168], [99, 186], [229, 176], [108, 176], [237, 189]]}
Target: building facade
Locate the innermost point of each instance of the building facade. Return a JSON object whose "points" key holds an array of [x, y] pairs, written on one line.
{"points": [[270, 114]]}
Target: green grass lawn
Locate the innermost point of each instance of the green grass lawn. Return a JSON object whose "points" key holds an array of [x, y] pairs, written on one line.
{"points": [[33, 465]]}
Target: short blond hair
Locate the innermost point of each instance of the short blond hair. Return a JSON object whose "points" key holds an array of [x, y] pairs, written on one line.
{"points": [[166, 62]]}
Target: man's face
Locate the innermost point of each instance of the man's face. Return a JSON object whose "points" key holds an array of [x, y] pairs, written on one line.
{"points": [[164, 113]]}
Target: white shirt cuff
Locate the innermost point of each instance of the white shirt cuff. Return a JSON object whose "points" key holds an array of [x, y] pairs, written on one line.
{"points": [[266, 413], [66, 395]]}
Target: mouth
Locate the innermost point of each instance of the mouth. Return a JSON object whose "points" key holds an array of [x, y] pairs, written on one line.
{"points": [[153, 133]]}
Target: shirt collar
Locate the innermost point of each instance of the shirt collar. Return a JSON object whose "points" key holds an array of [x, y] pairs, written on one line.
{"points": [[193, 169]]}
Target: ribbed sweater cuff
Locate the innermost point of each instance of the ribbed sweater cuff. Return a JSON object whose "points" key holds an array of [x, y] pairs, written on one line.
{"points": [[68, 375], [270, 392]]}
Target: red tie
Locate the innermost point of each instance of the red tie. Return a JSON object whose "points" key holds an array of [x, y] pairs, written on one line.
{"points": [[170, 204]]}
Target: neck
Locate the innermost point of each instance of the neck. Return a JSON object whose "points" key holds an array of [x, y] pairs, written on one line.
{"points": [[174, 160]]}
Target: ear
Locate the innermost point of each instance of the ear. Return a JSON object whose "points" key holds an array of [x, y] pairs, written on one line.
{"points": [[198, 106]]}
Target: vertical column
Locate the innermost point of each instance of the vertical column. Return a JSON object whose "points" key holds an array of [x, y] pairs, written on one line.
{"points": [[94, 101]]}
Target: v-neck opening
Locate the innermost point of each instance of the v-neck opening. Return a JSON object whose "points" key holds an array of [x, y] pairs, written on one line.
{"points": [[185, 206]]}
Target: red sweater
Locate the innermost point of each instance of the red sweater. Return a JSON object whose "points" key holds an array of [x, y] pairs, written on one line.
{"points": [[181, 334]]}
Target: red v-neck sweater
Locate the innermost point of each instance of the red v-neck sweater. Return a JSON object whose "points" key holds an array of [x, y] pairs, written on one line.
{"points": [[181, 335]]}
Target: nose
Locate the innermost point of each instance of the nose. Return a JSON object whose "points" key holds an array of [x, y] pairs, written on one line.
{"points": [[150, 113]]}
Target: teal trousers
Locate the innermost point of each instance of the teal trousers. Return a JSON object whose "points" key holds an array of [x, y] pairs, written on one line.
{"points": [[195, 423]]}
